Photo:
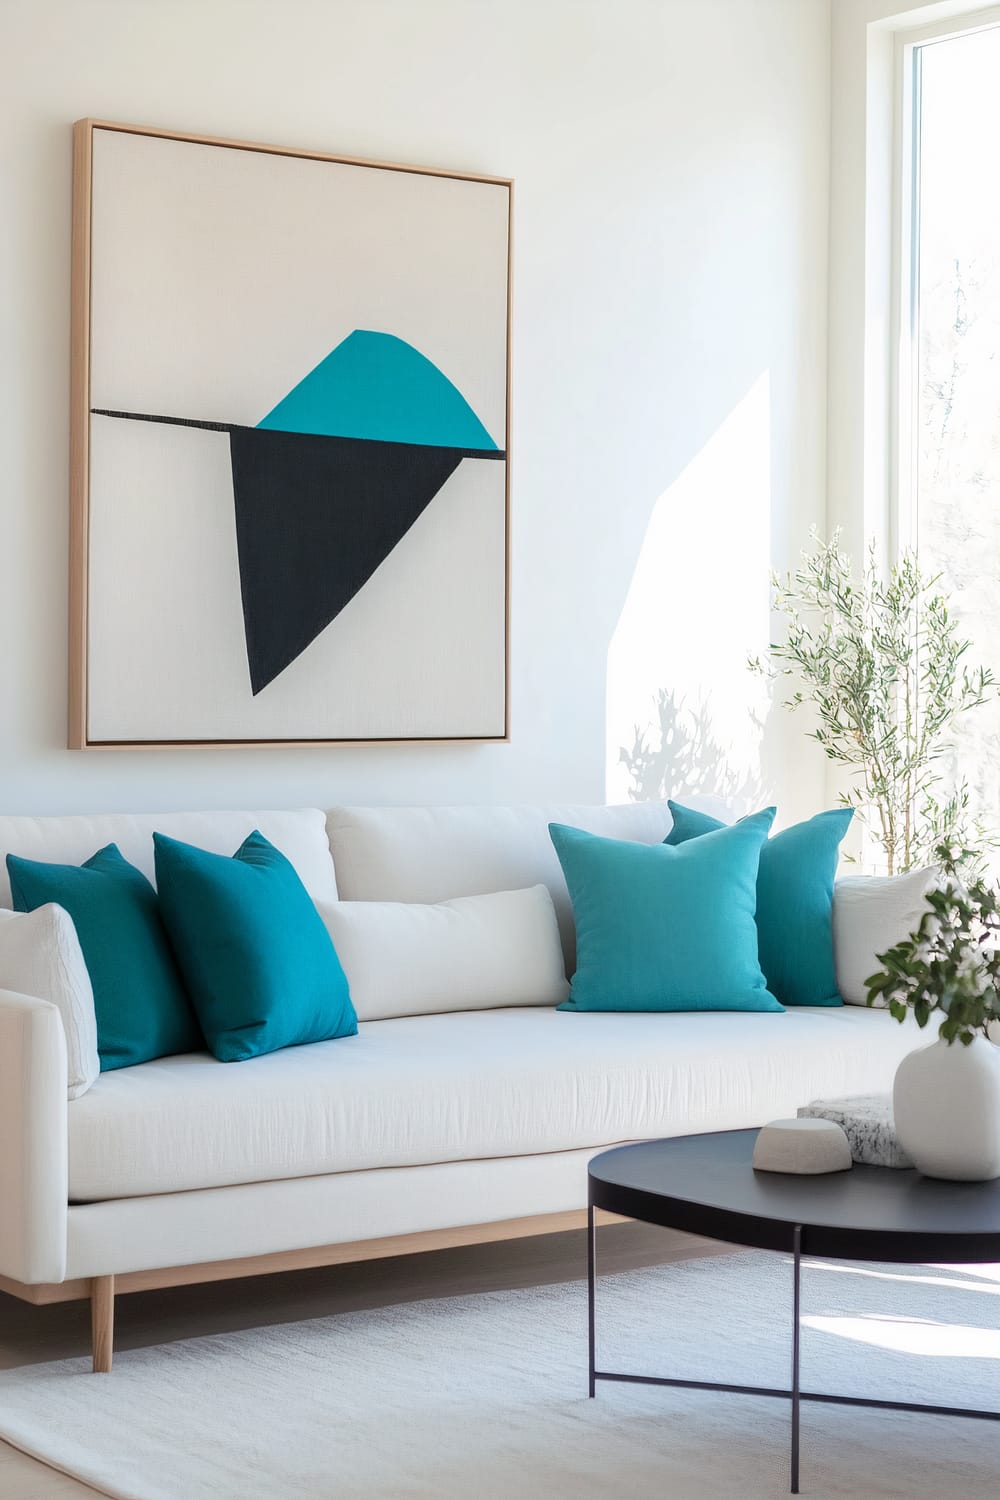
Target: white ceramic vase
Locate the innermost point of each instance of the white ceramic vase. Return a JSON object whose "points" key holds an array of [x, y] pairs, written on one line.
{"points": [[946, 1101]]}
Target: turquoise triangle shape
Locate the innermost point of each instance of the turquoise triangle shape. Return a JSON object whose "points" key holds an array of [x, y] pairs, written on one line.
{"points": [[377, 386]]}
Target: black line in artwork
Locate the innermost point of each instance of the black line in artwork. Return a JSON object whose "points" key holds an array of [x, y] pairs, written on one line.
{"points": [[142, 416], [145, 416]]}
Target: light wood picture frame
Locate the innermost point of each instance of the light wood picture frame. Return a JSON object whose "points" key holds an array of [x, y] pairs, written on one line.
{"points": [[289, 446]]}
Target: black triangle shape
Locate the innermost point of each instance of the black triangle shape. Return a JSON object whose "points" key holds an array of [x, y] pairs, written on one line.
{"points": [[315, 516]]}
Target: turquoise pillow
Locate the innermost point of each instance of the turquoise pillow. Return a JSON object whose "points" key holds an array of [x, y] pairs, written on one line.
{"points": [[260, 965], [794, 901], [139, 1000], [662, 928]]}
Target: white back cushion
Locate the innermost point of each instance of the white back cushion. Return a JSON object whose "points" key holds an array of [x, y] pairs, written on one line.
{"points": [[870, 914], [405, 958], [437, 853], [300, 835], [40, 956]]}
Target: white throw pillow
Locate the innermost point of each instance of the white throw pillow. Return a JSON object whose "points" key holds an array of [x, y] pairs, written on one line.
{"points": [[870, 914], [40, 955], [474, 953]]}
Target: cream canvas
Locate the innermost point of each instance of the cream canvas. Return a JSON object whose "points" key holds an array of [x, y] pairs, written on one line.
{"points": [[297, 423]]}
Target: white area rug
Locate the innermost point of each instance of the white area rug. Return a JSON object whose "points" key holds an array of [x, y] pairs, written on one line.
{"points": [[484, 1397]]}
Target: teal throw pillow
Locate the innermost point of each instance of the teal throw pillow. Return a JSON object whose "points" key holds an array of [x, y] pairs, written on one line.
{"points": [[258, 960], [140, 1003], [794, 901], [660, 928]]}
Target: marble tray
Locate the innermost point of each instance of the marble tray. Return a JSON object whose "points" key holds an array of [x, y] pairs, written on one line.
{"points": [[866, 1120]]}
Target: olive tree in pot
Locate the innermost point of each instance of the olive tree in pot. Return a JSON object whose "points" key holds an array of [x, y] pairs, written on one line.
{"points": [[946, 1097], [880, 660]]}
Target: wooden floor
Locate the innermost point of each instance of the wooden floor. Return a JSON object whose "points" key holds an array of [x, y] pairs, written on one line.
{"points": [[31, 1335]]}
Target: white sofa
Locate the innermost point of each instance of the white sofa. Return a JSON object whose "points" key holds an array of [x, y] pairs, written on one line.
{"points": [[419, 1132]]}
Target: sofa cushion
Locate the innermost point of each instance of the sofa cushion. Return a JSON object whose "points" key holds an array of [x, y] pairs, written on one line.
{"points": [[466, 1086], [794, 901], [872, 913], [40, 955], [142, 1008], [258, 961], [436, 853], [407, 958], [664, 927], [301, 834]]}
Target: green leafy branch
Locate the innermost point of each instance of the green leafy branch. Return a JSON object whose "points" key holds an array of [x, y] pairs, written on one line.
{"points": [[951, 964]]}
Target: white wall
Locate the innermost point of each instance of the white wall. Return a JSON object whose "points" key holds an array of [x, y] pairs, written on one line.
{"points": [[671, 159]]}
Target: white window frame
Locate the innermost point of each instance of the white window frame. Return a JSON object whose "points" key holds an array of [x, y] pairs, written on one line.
{"points": [[904, 393]]}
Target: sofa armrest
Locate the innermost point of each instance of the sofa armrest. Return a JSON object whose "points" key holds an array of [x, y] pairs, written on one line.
{"points": [[34, 1174]]}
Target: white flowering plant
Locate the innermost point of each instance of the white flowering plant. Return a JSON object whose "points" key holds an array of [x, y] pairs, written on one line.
{"points": [[951, 964]]}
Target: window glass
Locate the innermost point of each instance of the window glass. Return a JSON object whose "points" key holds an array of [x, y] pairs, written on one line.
{"points": [[956, 450]]}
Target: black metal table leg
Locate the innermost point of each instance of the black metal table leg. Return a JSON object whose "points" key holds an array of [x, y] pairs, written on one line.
{"points": [[796, 1308], [704, 1184], [591, 1280]]}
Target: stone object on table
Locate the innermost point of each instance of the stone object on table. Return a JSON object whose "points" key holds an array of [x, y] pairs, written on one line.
{"points": [[803, 1146], [867, 1121]]}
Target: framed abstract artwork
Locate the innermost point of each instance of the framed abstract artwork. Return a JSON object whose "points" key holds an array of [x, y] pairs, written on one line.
{"points": [[289, 446]]}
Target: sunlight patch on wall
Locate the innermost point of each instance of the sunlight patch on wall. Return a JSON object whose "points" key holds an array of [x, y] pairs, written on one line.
{"points": [[684, 714]]}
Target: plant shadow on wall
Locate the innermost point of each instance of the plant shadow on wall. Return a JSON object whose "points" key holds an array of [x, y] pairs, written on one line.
{"points": [[681, 757]]}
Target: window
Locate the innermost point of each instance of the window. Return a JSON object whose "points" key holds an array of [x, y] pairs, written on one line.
{"points": [[949, 476]]}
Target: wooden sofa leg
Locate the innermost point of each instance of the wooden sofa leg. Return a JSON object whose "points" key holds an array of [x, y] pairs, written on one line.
{"points": [[102, 1322]]}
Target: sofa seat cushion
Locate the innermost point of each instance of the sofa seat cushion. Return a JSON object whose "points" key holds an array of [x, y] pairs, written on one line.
{"points": [[466, 1086]]}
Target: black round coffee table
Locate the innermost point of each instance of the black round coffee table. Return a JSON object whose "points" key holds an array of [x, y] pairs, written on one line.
{"points": [[706, 1184]]}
